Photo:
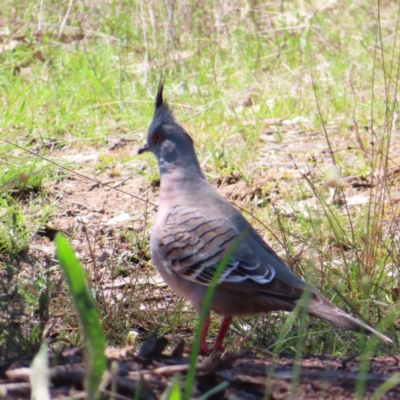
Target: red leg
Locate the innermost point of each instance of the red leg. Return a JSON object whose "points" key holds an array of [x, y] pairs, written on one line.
{"points": [[225, 324], [204, 350]]}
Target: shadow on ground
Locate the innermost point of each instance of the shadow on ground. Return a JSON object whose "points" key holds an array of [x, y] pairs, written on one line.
{"points": [[150, 370]]}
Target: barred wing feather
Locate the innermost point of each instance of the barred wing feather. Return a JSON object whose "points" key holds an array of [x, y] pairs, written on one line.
{"points": [[194, 244]]}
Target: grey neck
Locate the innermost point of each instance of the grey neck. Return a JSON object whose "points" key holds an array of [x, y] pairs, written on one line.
{"points": [[185, 160]]}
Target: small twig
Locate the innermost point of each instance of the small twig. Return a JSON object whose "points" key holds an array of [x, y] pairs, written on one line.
{"points": [[328, 142], [40, 23], [167, 370], [6, 388], [146, 44], [18, 374], [208, 366], [63, 376], [118, 184], [64, 21]]}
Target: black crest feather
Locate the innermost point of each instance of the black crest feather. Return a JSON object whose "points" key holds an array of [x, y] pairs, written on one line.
{"points": [[159, 96]]}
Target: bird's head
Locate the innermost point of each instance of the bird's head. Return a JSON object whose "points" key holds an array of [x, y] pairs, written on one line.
{"points": [[167, 140]]}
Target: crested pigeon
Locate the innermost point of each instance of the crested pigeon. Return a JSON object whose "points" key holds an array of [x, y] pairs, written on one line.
{"points": [[194, 229]]}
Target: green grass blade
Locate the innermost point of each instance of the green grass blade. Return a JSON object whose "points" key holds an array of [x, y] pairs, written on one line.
{"points": [[301, 310], [173, 391], [95, 360], [391, 383], [203, 316]]}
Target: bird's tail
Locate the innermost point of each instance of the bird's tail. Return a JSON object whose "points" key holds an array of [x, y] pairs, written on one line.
{"points": [[324, 309]]}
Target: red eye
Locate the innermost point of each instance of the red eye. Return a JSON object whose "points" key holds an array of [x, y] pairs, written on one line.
{"points": [[157, 138]]}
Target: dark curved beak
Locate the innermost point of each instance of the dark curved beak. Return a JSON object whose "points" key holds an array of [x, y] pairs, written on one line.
{"points": [[144, 148]]}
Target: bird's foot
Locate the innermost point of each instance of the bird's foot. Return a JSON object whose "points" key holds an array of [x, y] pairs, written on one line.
{"points": [[206, 351], [218, 347]]}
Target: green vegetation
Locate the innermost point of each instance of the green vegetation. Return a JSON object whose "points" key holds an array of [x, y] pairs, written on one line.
{"points": [[293, 109], [94, 339]]}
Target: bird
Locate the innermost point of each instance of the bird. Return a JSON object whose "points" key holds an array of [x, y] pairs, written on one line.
{"points": [[195, 228]]}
